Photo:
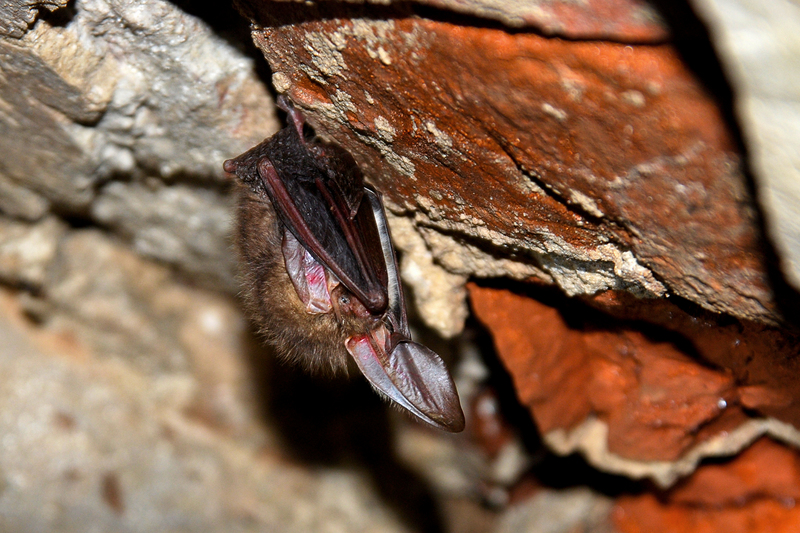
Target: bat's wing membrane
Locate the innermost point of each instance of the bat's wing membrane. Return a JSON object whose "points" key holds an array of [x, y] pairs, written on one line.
{"points": [[315, 212]]}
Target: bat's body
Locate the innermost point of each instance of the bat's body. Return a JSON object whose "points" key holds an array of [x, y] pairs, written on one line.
{"points": [[321, 275]]}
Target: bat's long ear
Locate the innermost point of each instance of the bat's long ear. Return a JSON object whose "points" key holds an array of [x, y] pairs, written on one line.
{"points": [[412, 376], [408, 373], [396, 312]]}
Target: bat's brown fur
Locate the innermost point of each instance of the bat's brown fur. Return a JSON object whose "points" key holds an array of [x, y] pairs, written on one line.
{"points": [[317, 341]]}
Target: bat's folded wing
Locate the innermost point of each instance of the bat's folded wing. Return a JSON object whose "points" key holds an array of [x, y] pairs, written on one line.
{"points": [[318, 217]]}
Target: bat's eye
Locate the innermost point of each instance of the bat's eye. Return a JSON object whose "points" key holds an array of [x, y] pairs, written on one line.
{"points": [[347, 304]]}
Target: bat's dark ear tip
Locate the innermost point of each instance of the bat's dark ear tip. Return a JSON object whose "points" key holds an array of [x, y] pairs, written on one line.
{"points": [[284, 103], [451, 417]]}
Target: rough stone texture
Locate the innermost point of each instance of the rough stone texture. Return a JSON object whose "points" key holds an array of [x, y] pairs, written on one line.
{"points": [[592, 164], [615, 20], [17, 15], [757, 43], [136, 90], [178, 224], [754, 492], [93, 443], [559, 512], [127, 395], [616, 167], [636, 404], [26, 251]]}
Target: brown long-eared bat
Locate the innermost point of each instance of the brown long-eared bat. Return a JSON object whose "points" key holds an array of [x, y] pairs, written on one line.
{"points": [[321, 275]]}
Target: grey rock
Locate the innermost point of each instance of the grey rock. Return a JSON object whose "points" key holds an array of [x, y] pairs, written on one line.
{"points": [[186, 226], [121, 304], [20, 202], [103, 447], [17, 15], [124, 88], [27, 251], [559, 511]]}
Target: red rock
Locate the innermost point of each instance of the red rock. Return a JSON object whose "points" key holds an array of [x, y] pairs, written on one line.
{"points": [[762, 359], [552, 152], [647, 515], [754, 492], [538, 140], [656, 400], [766, 469]]}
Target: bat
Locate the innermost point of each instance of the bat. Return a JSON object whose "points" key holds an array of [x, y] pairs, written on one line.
{"points": [[320, 274]]}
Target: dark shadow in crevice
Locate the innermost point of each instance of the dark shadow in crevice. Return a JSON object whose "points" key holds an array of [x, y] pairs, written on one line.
{"points": [[325, 421], [548, 469], [580, 316], [572, 471], [58, 18], [692, 40], [501, 383]]}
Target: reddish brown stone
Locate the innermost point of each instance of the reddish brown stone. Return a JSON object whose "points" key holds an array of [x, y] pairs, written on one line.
{"points": [[647, 515], [532, 138], [617, 20], [551, 152], [658, 398], [755, 492], [764, 470], [763, 359], [656, 401]]}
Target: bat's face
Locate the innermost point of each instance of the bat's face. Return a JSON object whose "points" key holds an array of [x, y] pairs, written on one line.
{"points": [[321, 274]]}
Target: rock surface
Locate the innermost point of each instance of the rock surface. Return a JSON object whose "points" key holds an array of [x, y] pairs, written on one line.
{"points": [[636, 400], [752, 493], [615, 166], [131, 397], [757, 43], [99, 442], [588, 147], [140, 93]]}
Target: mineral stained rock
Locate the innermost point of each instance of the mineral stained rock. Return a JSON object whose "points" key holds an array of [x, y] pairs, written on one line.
{"points": [[604, 165], [609, 170], [104, 110], [612, 391], [754, 492]]}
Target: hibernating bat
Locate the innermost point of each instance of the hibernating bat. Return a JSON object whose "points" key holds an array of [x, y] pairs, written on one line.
{"points": [[320, 273]]}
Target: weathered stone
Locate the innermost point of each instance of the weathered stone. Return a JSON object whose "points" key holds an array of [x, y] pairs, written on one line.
{"points": [[17, 15], [41, 153], [80, 111], [757, 44], [750, 493], [20, 202], [637, 405], [186, 226], [123, 305], [27, 251], [616, 20], [94, 443], [601, 165], [565, 511], [762, 359], [587, 165]]}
